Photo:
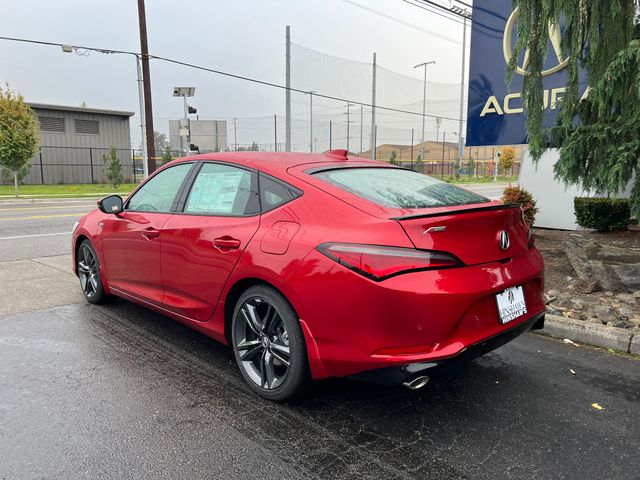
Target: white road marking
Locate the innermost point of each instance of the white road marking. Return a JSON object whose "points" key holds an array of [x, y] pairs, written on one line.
{"points": [[34, 236]]}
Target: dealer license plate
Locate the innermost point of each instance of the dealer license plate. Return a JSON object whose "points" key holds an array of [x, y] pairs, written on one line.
{"points": [[511, 304]]}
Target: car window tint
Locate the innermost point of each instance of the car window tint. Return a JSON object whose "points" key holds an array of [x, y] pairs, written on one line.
{"points": [[398, 188], [273, 193], [158, 194], [222, 190]]}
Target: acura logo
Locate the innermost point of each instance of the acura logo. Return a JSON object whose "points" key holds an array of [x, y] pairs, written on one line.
{"points": [[503, 240], [554, 37]]}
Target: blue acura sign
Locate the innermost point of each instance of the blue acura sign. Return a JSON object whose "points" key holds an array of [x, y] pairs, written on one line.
{"points": [[495, 114]]}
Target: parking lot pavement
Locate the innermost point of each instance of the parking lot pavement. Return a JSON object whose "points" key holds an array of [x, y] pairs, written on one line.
{"points": [[35, 283], [121, 392]]}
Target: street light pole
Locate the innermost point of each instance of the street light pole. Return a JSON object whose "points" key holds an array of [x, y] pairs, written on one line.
{"points": [[311, 92], [424, 103]]}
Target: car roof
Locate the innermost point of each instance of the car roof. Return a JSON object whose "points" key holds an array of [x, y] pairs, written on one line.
{"points": [[277, 163]]}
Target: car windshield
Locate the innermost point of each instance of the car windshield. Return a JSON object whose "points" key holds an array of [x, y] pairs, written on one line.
{"points": [[398, 188]]}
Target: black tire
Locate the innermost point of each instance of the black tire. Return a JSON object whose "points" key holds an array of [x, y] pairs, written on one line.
{"points": [[88, 270], [262, 312]]}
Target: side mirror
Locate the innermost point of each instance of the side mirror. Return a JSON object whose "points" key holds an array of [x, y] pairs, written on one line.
{"points": [[111, 204]]}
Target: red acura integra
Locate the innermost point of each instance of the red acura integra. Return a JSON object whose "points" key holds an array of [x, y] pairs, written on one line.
{"points": [[314, 266]]}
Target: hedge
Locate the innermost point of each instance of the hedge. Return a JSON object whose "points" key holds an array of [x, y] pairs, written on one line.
{"points": [[602, 214]]}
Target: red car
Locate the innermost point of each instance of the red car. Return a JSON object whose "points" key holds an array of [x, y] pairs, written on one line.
{"points": [[315, 266]]}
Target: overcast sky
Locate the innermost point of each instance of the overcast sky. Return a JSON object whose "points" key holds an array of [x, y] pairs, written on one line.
{"points": [[241, 36]]}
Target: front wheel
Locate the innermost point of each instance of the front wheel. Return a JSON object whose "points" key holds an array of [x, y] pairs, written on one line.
{"points": [[88, 268], [268, 344]]}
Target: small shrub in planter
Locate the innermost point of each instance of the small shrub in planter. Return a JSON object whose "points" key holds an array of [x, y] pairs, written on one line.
{"points": [[602, 214], [524, 199]]}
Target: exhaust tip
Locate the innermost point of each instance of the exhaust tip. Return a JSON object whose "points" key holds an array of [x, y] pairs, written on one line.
{"points": [[416, 383]]}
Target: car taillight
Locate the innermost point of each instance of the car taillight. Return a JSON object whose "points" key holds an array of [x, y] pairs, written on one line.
{"points": [[379, 262]]}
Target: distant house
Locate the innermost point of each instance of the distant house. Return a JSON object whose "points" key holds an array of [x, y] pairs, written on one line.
{"points": [[73, 140]]}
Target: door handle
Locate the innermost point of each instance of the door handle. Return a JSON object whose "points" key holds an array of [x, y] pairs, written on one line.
{"points": [[226, 243], [150, 233]]}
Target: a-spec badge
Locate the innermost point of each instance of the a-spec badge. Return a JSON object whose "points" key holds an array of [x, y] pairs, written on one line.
{"points": [[440, 228]]}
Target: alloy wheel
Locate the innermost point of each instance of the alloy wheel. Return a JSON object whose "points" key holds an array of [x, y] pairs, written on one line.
{"points": [[262, 342], [88, 270]]}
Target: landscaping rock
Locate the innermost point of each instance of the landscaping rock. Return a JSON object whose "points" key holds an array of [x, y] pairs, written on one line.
{"points": [[623, 324], [606, 313], [636, 294], [613, 268], [626, 298], [625, 311], [585, 286]]}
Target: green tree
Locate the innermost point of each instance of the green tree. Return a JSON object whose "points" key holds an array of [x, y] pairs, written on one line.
{"points": [[392, 158], [113, 168], [166, 154], [19, 135], [599, 135], [419, 164]]}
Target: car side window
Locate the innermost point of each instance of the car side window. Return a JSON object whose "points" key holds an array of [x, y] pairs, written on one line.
{"points": [[274, 193], [223, 190], [158, 194]]}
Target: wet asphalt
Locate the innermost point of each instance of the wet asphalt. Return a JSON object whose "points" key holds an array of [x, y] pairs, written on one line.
{"points": [[121, 392]]}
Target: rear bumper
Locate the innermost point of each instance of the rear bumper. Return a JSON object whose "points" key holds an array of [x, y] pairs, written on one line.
{"points": [[403, 373]]}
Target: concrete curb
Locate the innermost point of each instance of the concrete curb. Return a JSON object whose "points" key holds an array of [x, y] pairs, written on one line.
{"points": [[591, 334]]}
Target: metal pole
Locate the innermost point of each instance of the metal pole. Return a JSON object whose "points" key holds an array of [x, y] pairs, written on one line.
{"points": [[373, 111], [41, 168], [287, 138], [148, 109], [185, 139], [444, 139], [348, 123], [91, 163], [330, 134], [275, 133], [235, 134], [412, 147], [361, 121], [424, 111], [143, 128], [311, 122], [464, 55], [375, 141]]}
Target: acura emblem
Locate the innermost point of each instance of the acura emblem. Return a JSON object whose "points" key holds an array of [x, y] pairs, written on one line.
{"points": [[503, 240]]}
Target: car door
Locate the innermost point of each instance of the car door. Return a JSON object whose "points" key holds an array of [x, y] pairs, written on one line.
{"points": [[131, 239], [202, 244]]}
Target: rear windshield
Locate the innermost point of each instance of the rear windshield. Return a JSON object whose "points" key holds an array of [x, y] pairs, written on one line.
{"points": [[398, 188]]}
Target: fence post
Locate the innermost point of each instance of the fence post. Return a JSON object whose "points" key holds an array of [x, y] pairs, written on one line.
{"points": [[41, 169], [91, 161], [133, 162]]}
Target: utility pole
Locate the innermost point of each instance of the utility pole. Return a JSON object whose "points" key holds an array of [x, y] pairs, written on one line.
{"points": [[275, 133], [464, 55], [438, 123], [330, 134], [348, 124], [146, 80], [424, 103], [412, 147], [361, 122], [235, 134], [311, 121], [373, 110], [143, 123], [287, 120]]}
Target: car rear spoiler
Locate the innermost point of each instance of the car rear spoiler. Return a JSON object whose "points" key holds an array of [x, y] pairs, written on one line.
{"points": [[462, 210]]}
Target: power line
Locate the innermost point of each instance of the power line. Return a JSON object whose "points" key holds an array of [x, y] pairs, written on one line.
{"points": [[226, 74], [402, 22]]}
